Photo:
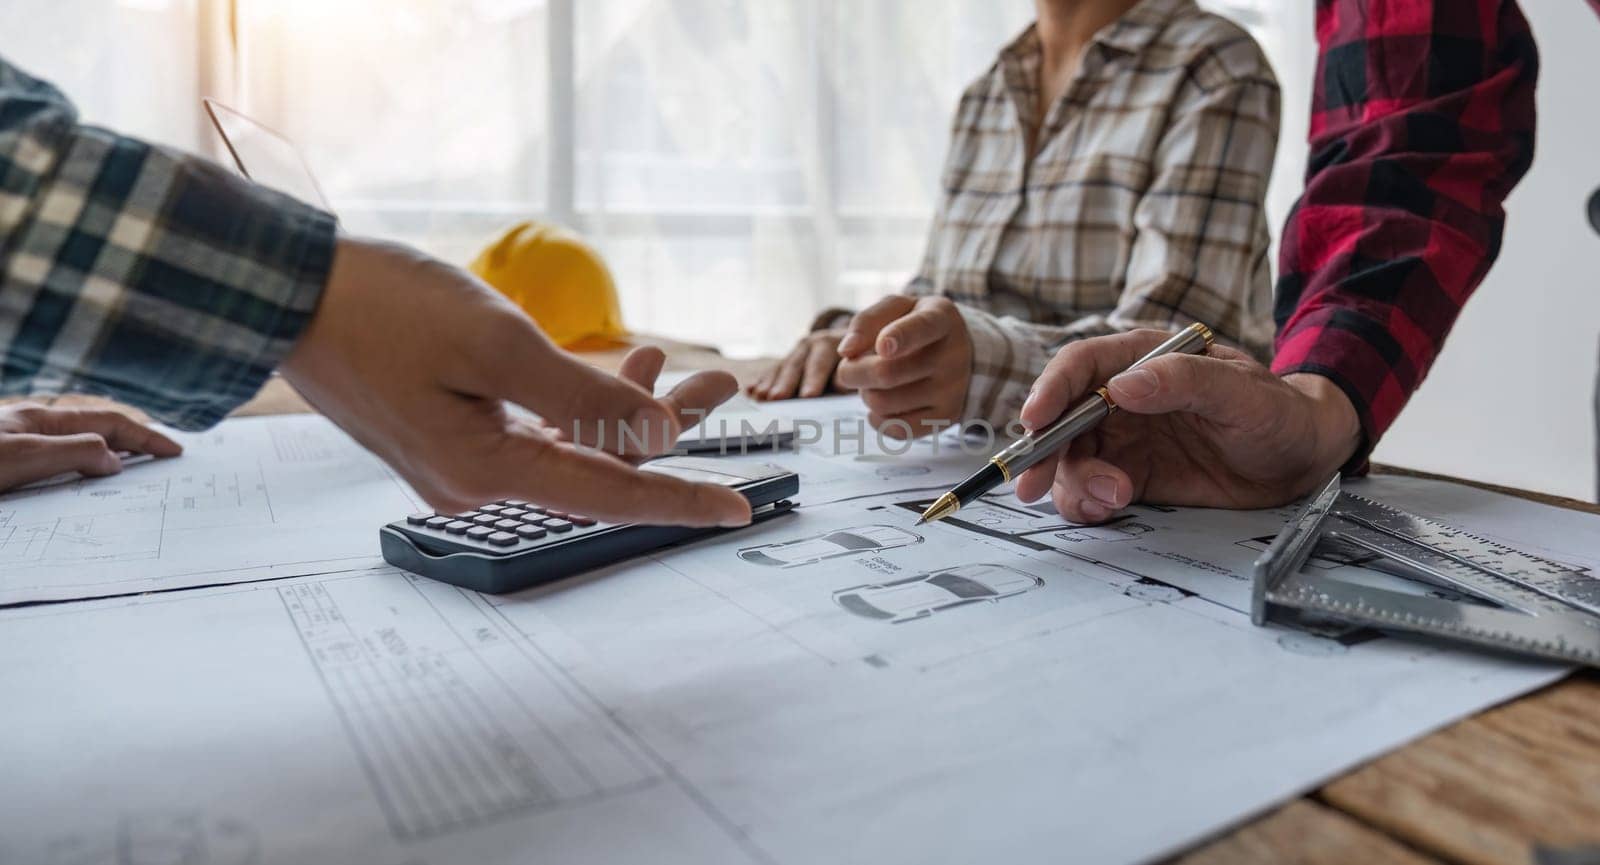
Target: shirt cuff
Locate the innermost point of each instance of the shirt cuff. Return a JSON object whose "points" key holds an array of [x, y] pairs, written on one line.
{"points": [[1005, 363], [311, 239], [204, 306], [1357, 368]]}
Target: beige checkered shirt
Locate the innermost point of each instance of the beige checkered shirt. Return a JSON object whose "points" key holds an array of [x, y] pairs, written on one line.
{"points": [[1142, 206]]}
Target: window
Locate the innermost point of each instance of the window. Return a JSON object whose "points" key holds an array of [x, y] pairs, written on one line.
{"points": [[745, 164], [131, 65], [740, 164], [423, 121]]}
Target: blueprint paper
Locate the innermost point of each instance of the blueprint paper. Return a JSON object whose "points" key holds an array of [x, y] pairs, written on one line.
{"points": [[267, 497], [734, 417], [838, 455], [1002, 686], [348, 718], [249, 499]]}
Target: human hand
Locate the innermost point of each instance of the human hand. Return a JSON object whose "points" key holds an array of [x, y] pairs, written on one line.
{"points": [[1217, 430], [806, 372], [911, 358], [416, 359], [694, 396], [37, 442]]}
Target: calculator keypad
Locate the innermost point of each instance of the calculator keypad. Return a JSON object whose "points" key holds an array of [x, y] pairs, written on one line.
{"points": [[504, 526]]}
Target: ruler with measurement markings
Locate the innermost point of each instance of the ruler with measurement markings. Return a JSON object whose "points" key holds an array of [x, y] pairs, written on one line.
{"points": [[1500, 597]]}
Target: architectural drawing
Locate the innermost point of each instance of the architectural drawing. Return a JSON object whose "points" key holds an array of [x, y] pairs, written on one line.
{"points": [[900, 471], [250, 499], [1327, 556], [1155, 591], [1001, 514], [676, 710], [406, 715], [1123, 529], [1318, 646], [422, 679], [681, 708], [918, 597], [160, 839], [829, 545]]}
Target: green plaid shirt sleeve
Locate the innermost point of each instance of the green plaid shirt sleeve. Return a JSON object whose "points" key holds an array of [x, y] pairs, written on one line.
{"points": [[140, 273]]}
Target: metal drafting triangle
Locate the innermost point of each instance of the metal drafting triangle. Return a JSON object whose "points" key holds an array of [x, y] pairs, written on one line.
{"points": [[1494, 597]]}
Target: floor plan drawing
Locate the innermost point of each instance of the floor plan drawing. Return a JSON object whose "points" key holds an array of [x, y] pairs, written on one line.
{"points": [[1189, 550], [250, 499], [412, 721], [728, 711], [1121, 530], [898, 471], [1155, 591], [159, 838], [842, 685], [1326, 557], [424, 698], [1001, 515]]}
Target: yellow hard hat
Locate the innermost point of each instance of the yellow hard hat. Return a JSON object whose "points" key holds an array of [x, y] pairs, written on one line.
{"points": [[558, 280]]}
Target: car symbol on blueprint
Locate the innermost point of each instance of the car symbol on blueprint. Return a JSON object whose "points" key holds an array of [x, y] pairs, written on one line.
{"points": [[925, 594], [829, 545]]}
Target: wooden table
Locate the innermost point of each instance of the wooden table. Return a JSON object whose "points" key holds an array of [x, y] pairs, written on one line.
{"points": [[1518, 783]]}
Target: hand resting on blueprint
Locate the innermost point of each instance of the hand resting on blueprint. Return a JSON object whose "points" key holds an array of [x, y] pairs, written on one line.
{"points": [[37, 442], [416, 359], [1217, 430], [806, 371]]}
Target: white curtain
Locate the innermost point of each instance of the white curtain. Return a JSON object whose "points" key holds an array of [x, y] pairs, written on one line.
{"points": [[133, 66], [741, 163]]}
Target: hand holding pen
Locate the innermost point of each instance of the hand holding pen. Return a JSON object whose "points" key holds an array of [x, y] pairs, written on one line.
{"points": [[1036, 446], [1213, 430]]}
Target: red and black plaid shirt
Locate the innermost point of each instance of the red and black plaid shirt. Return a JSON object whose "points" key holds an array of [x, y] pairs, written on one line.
{"points": [[1422, 122]]}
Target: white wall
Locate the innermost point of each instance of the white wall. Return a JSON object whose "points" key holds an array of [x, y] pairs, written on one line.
{"points": [[1511, 398], [1287, 37]]}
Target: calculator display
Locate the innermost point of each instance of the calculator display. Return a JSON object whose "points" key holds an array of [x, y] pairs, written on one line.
{"points": [[710, 471]]}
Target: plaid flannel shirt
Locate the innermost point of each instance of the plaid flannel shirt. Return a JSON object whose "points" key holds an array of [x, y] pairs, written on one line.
{"points": [[1141, 207], [140, 273], [1422, 122]]}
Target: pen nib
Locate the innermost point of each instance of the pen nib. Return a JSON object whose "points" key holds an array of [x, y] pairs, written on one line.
{"points": [[944, 506]]}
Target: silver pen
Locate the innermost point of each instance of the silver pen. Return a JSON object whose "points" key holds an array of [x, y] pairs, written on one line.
{"points": [[1079, 419]]}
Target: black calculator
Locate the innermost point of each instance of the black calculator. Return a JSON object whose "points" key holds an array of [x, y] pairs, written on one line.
{"points": [[509, 545]]}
